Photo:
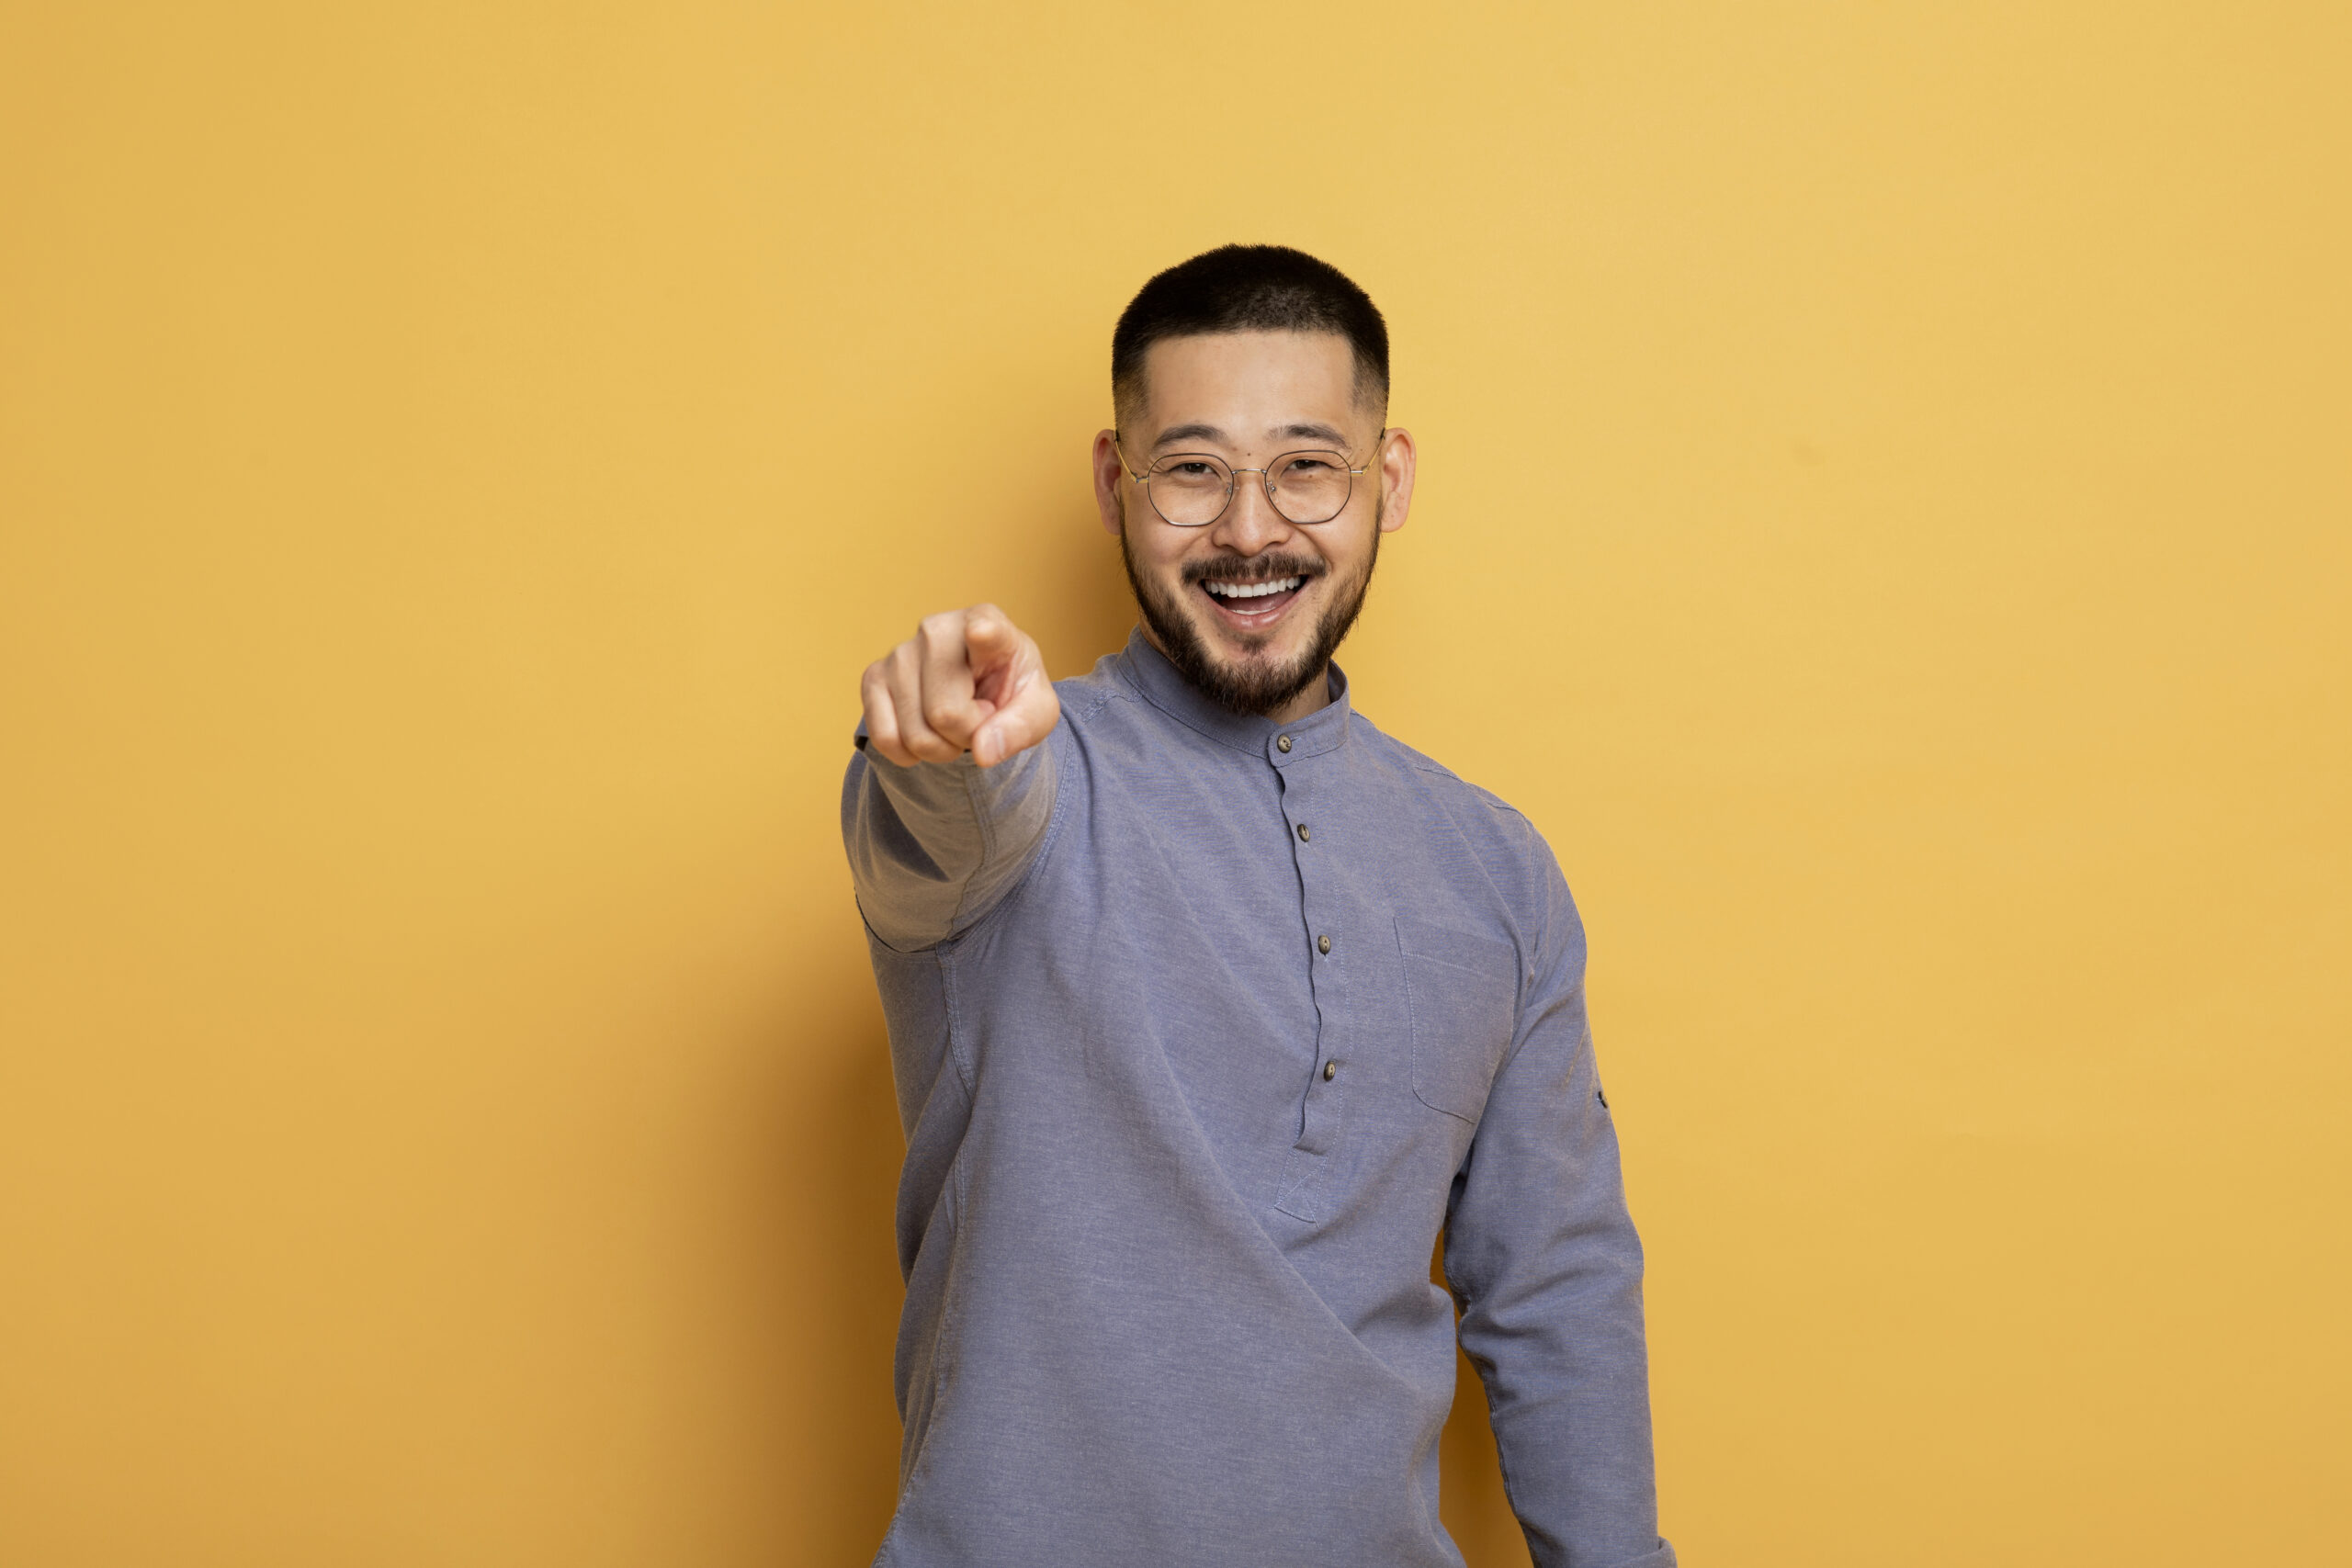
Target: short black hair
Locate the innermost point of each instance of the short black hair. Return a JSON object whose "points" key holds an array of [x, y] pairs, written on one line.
{"points": [[1240, 288]]}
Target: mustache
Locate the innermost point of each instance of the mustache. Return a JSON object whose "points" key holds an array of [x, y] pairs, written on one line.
{"points": [[1251, 569]]}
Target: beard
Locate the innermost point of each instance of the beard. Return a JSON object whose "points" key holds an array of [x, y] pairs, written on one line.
{"points": [[1250, 686]]}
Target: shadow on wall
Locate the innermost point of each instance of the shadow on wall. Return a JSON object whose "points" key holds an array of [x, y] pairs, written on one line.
{"points": [[851, 1418]]}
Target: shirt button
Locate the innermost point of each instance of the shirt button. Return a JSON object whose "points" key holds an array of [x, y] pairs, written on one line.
{"points": [[1330, 1071], [1302, 833], [1281, 742], [1322, 944]]}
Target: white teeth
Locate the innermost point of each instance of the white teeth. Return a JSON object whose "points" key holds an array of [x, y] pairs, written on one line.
{"points": [[1252, 590]]}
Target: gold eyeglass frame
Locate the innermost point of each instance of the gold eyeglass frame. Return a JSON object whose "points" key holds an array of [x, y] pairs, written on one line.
{"points": [[1265, 479]]}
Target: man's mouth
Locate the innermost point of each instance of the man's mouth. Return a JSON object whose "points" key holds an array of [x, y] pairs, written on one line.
{"points": [[1255, 605]]}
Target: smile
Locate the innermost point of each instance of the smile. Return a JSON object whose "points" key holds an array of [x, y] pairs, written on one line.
{"points": [[1253, 605]]}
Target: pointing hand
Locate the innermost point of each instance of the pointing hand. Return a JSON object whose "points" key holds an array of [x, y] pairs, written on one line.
{"points": [[967, 680]]}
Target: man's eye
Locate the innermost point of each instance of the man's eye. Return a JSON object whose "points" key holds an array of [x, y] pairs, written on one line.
{"points": [[1190, 470], [1309, 468]]}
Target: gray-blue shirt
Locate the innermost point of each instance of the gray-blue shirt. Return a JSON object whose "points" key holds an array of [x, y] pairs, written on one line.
{"points": [[1204, 1028]]}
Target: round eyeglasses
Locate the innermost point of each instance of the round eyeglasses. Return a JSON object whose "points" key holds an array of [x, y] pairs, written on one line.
{"points": [[1192, 490]]}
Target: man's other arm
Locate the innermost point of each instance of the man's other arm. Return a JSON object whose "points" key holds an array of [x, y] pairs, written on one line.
{"points": [[946, 801], [1541, 1255]]}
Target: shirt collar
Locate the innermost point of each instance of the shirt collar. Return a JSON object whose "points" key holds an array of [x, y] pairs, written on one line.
{"points": [[1164, 686]]}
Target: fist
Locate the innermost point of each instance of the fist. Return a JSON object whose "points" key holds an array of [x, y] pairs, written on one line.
{"points": [[967, 680]]}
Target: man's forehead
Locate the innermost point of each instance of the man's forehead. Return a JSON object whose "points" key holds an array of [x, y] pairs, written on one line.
{"points": [[1200, 432], [1239, 387]]}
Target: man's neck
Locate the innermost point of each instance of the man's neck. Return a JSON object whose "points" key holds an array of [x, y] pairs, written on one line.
{"points": [[1316, 695]]}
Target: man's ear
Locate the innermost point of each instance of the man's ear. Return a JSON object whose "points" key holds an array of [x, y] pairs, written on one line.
{"points": [[1108, 471], [1397, 458]]}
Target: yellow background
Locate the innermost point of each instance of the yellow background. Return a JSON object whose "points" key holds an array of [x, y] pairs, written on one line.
{"points": [[1884, 513]]}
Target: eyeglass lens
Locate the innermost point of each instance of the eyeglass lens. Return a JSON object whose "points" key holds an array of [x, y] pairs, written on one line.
{"points": [[1192, 489]]}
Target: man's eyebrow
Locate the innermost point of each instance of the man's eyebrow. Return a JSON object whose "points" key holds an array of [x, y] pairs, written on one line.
{"points": [[1175, 432], [1322, 433]]}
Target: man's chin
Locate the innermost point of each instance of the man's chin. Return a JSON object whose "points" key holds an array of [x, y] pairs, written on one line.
{"points": [[1260, 668], [1247, 673], [1238, 651]]}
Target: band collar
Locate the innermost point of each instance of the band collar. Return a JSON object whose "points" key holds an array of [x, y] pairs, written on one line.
{"points": [[1164, 686]]}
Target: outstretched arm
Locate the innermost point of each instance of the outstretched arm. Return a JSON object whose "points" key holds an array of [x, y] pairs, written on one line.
{"points": [[948, 800]]}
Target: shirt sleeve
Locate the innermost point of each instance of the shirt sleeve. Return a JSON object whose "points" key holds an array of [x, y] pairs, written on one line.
{"points": [[934, 847], [1543, 1259]]}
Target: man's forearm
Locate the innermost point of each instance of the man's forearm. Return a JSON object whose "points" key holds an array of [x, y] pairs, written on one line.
{"points": [[935, 846]]}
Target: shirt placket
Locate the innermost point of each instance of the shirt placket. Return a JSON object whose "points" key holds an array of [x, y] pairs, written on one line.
{"points": [[1314, 838]]}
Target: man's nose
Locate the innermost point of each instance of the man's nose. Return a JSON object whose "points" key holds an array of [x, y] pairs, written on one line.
{"points": [[1251, 524]]}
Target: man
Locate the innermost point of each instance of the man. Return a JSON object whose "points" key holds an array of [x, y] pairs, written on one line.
{"points": [[1210, 1006]]}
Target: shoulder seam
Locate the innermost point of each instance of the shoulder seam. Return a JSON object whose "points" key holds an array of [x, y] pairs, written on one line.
{"points": [[1425, 765], [1102, 696]]}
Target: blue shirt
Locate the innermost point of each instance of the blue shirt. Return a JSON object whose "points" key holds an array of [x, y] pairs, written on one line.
{"points": [[1204, 1028]]}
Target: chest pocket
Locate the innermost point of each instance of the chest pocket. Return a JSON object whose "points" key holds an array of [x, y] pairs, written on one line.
{"points": [[1461, 990]]}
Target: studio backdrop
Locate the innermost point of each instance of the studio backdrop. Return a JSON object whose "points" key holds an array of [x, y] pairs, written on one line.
{"points": [[1883, 515]]}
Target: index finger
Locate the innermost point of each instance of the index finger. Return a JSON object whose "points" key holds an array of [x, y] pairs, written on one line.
{"points": [[945, 663]]}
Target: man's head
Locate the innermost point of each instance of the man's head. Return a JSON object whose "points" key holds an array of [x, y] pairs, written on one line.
{"points": [[1266, 368]]}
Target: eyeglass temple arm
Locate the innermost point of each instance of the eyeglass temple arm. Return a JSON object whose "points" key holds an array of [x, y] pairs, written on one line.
{"points": [[1132, 473]]}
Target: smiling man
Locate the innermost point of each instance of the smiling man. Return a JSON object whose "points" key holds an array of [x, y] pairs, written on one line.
{"points": [[1211, 1007]]}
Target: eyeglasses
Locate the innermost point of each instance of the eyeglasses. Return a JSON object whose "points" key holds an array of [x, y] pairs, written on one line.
{"points": [[1192, 490]]}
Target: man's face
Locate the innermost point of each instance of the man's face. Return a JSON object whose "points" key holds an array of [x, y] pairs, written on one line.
{"points": [[1249, 398]]}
